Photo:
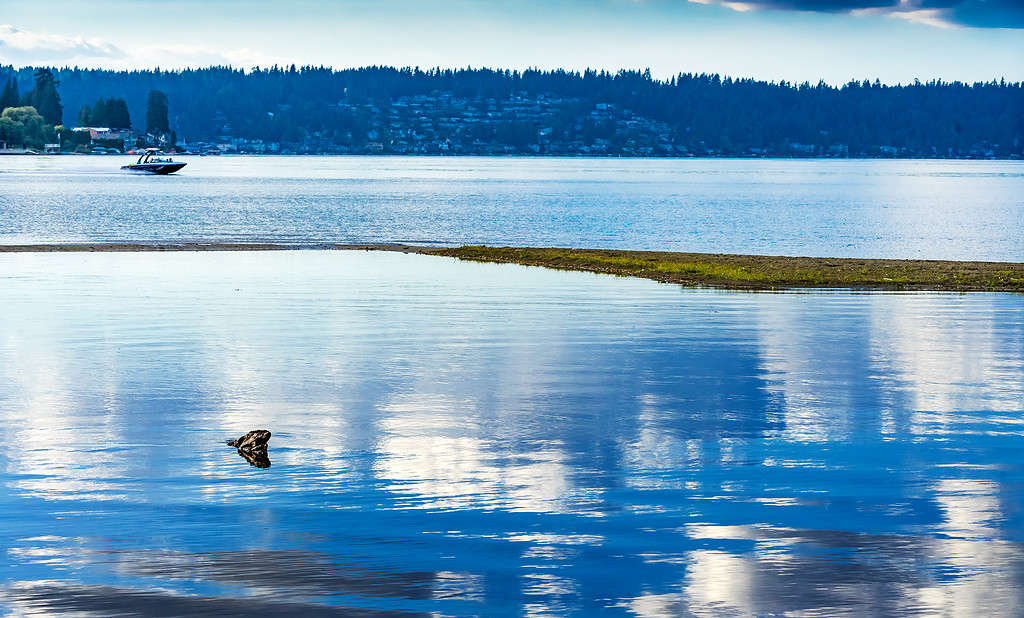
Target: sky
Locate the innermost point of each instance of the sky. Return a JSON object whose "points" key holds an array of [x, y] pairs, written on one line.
{"points": [[895, 41]]}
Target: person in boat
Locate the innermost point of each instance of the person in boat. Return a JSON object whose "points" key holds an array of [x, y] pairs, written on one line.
{"points": [[150, 163]]}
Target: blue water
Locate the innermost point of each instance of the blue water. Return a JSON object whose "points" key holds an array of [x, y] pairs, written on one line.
{"points": [[478, 439], [967, 210]]}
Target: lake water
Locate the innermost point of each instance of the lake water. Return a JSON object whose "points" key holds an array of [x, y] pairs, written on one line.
{"points": [[455, 438], [971, 210]]}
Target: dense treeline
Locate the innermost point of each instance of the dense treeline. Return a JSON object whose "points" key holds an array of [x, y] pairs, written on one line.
{"points": [[701, 113], [29, 119], [111, 113]]}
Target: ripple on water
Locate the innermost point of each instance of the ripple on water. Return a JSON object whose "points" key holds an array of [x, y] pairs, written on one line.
{"points": [[465, 438]]}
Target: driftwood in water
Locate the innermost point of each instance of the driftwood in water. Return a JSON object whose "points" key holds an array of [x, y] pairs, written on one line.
{"points": [[255, 440], [253, 447], [255, 458]]}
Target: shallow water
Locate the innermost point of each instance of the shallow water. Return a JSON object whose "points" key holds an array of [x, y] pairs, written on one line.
{"points": [[964, 210], [497, 440]]}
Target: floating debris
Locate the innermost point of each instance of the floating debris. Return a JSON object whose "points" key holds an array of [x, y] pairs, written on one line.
{"points": [[253, 447]]}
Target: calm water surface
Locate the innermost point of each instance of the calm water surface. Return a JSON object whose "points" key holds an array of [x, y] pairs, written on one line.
{"points": [[460, 439], [970, 210]]}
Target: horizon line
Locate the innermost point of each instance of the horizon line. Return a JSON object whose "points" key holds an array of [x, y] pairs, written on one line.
{"points": [[1002, 80]]}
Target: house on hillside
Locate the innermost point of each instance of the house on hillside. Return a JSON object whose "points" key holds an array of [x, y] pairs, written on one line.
{"points": [[125, 136], [105, 133]]}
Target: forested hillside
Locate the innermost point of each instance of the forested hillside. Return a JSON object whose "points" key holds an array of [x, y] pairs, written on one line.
{"points": [[482, 111]]}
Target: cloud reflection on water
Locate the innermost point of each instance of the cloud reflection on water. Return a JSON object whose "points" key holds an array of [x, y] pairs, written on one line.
{"points": [[482, 436]]}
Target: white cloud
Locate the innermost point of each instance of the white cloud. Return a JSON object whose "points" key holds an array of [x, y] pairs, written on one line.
{"points": [[185, 55], [909, 10], [21, 47], [931, 17]]}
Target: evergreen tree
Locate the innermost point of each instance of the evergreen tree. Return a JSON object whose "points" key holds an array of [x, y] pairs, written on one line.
{"points": [[45, 98], [156, 113], [111, 113], [118, 116], [10, 96], [99, 116], [85, 116]]}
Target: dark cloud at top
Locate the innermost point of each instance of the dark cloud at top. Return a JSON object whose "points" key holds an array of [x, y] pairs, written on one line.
{"points": [[973, 13], [987, 13]]}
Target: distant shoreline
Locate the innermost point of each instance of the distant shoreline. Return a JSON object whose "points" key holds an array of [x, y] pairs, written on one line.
{"points": [[729, 271], [523, 155]]}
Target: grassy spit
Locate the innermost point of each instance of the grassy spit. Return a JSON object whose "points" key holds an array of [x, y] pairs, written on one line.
{"points": [[747, 272], [755, 272]]}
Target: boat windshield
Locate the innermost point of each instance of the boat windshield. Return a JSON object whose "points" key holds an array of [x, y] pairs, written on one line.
{"points": [[152, 157]]}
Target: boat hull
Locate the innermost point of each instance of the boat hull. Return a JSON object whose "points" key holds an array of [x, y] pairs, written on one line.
{"points": [[153, 168]]}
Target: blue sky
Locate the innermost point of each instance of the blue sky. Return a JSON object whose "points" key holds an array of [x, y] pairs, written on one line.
{"points": [[835, 40]]}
